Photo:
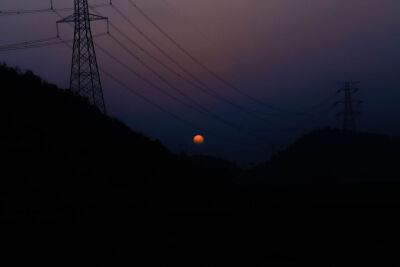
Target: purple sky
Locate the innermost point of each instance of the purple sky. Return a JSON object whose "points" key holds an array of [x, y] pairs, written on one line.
{"points": [[289, 53]]}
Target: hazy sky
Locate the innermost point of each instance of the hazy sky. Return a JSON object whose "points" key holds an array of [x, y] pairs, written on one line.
{"points": [[289, 53]]}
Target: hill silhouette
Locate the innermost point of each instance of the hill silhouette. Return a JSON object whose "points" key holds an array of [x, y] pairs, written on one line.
{"points": [[330, 156], [64, 142], [64, 161]]}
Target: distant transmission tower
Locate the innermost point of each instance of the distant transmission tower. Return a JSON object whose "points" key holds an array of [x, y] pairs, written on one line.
{"points": [[349, 114], [85, 77]]}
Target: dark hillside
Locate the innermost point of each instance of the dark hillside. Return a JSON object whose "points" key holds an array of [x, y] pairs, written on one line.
{"points": [[326, 199], [63, 142], [331, 167], [330, 156]]}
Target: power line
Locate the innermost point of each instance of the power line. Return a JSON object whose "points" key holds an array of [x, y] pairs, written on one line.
{"points": [[141, 77], [196, 85], [213, 73], [200, 85], [177, 117], [43, 10], [203, 111], [23, 12], [171, 114], [174, 116], [151, 84], [201, 64], [164, 53], [49, 41], [28, 45], [170, 85], [144, 98], [205, 88], [235, 60], [28, 42], [52, 9], [194, 106]]}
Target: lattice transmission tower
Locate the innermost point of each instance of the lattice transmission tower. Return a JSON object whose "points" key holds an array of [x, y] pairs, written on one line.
{"points": [[349, 114], [85, 77]]}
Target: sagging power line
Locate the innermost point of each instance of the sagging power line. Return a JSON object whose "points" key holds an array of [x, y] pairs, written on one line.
{"points": [[197, 82], [226, 139], [42, 10], [214, 74], [188, 77], [194, 104], [54, 41]]}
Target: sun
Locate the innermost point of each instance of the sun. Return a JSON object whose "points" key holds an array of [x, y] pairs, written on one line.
{"points": [[198, 139]]}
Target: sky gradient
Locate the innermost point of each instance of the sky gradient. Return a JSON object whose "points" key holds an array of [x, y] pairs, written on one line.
{"points": [[289, 53]]}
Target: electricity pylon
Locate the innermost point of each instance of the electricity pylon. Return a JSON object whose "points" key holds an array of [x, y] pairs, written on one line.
{"points": [[349, 114], [85, 77]]}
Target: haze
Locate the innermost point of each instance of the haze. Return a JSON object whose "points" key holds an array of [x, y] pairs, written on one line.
{"points": [[289, 53]]}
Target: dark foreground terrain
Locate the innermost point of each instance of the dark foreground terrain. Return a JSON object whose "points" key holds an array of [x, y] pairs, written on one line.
{"points": [[82, 188]]}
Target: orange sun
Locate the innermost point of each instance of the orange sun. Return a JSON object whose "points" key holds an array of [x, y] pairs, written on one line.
{"points": [[198, 139]]}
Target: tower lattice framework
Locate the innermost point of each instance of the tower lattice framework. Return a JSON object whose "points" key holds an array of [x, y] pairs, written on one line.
{"points": [[85, 77], [349, 114]]}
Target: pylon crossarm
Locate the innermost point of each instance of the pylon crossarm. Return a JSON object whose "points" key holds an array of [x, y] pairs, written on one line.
{"points": [[339, 91], [349, 120], [71, 18], [68, 19], [96, 17]]}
